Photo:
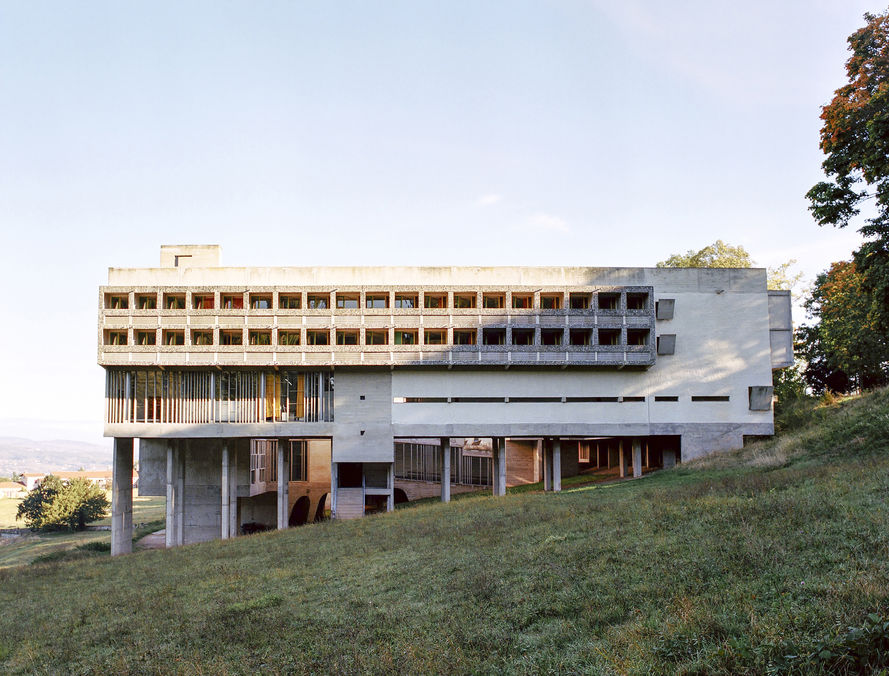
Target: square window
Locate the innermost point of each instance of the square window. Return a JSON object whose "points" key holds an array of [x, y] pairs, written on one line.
{"points": [[464, 301], [494, 336], [522, 301], [550, 301], [406, 337], [202, 301], [637, 301], [609, 301], [173, 337], [376, 337], [115, 337], [580, 301], [406, 301], [232, 301], [551, 336], [580, 337], [290, 301], [435, 301], [347, 337], [435, 336], [200, 337], [376, 301], [174, 301], [231, 337], [114, 301], [523, 336], [319, 301], [146, 301], [317, 337], [260, 301], [288, 337], [493, 301], [637, 336], [146, 337], [259, 337], [464, 336], [609, 336], [347, 301]]}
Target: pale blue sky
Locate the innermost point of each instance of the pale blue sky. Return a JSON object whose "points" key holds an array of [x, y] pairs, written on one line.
{"points": [[300, 133]]}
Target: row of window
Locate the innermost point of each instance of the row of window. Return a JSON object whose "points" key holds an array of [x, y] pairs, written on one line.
{"points": [[610, 300], [551, 400], [290, 337]]}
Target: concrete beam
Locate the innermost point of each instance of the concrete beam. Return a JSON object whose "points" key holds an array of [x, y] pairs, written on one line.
{"points": [[637, 458], [283, 476], [122, 498], [557, 465], [445, 469]]}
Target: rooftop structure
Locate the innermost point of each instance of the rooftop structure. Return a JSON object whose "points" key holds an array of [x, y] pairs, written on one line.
{"points": [[364, 385]]}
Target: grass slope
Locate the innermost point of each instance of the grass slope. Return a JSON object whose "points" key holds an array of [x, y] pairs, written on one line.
{"points": [[755, 562]]}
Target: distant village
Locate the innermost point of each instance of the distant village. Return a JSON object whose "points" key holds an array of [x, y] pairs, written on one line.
{"points": [[22, 484]]}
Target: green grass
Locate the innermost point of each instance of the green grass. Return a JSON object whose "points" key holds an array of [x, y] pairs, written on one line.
{"points": [[774, 559], [8, 508]]}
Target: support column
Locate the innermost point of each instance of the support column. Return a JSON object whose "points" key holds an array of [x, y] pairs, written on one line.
{"points": [[334, 480], [608, 455], [557, 465], [538, 461], [390, 482], [637, 458], [501, 452], [669, 458], [122, 498], [225, 485], [623, 458], [283, 476], [445, 469], [179, 502], [597, 455], [547, 466], [170, 525], [233, 493]]}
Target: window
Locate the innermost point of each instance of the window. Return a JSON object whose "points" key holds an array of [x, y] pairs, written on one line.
{"points": [[609, 336], [290, 301], [299, 461], [666, 343], [200, 301], [551, 336], [173, 337], [146, 337], [494, 336], [319, 301], [435, 336], [609, 301], [317, 337], [347, 301], [406, 301], [146, 301], [376, 301], [493, 301], [231, 337], [174, 301], [632, 399], [523, 336], [637, 336], [406, 337], [115, 337], [199, 337], [579, 301], [232, 301], [663, 397], [115, 301], [580, 336], [550, 301], [259, 337], [522, 301], [376, 337], [709, 398], [347, 337], [288, 337], [464, 301], [260, 301], [464, 336], [435, 300], [637, 301]]}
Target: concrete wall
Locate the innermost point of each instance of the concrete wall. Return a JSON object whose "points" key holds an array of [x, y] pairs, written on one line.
{"points": [[522, 462], [415, 490], [362, 414]]}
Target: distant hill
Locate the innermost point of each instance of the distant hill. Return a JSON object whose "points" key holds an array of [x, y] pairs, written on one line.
{"points": [[27, 455]]}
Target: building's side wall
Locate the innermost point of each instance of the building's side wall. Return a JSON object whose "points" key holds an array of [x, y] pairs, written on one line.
{"points": [[522, 462], [362, 415]]}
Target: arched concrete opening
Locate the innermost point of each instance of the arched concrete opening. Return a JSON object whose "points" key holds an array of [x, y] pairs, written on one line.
{"points": [[319, 512], [400, 496], [300, 513]]}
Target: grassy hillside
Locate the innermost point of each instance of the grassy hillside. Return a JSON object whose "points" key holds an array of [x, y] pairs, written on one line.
{"points": [[773, 559]]}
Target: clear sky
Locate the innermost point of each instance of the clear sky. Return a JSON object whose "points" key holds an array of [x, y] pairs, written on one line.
{"points": [[572, 132]]}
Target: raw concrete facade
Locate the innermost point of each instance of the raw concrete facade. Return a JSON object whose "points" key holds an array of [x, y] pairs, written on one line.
{"points": [[355, 381]]}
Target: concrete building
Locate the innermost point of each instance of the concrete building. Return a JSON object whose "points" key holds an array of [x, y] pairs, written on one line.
{"points": [[364, 385]]}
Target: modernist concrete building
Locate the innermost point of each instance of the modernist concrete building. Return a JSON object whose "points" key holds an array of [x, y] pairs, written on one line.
{"points": [[272, 396]]}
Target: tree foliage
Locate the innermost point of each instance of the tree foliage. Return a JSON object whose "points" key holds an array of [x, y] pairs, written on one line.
{"points": [[54, 505]]}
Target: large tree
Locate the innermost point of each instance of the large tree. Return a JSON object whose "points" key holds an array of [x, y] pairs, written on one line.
{"points": [[54, 505], [855, 138]]}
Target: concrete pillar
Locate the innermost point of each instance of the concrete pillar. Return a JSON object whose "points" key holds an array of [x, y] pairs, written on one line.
{"points": [[390, 482], [501, 453], [647, 457], [608, 455], [623, 458], [495, 467], [597, 455], [547, 466], [334, 480], [557, 465], [669, 458], [170, 525], [225, 485], [179, 488], [538, 461], [283, 484], [233, 493], [122, 497], [637, 458], [445, 469]]}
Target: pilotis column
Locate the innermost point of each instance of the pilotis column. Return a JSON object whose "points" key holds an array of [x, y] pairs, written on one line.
{"points": [[283, 476], [122, 497], [445, 469], [557, 465]]}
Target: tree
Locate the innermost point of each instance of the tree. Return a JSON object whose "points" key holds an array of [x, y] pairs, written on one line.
{"points": [[54, 505], [855, 138]]}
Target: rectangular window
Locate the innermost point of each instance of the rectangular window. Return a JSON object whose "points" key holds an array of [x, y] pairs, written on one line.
{"points": [[550, 301], [435, 336], [146, 301], [551, 336], [201, 337], [232, 301], [260, 301], [231, 337], [522, 301], [464, 336], [174, 301], [146, 337], [523, 336], [637, 301], [435, 301], [347, 301], [115, 301], [632, 399], [299, 461], [115, 337], [580, 336], [709, 398], [173, 337], [259, 337], [494, 336], [376, 337], [290, 301], [288, 337], [376, 301], [319, 301], [347, 337], [663, 397], [609, 336], [580, 301], [317, 337], [202, 301], [637, 336], [464, 301], [406, 337], [493, 301], [406, 301], [609, 301]]}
